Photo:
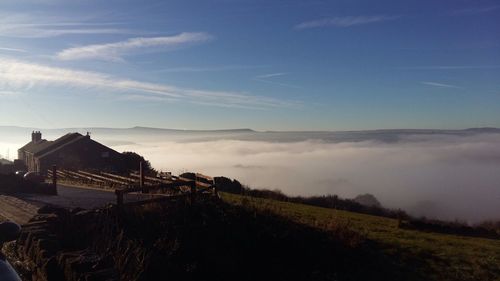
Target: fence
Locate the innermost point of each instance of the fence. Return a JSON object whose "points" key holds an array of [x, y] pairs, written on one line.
{"points": [[161, 189]]}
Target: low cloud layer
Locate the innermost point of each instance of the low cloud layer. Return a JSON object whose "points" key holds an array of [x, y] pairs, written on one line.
{"points": [[444, 177]]}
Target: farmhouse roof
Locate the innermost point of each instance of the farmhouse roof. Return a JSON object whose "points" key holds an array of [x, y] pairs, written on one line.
{"points": [[43, 147], [35, 146], [60, 145]]}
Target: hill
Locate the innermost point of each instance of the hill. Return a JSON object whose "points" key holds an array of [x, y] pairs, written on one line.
{"points": [[247, 238], [428, 256], [148, 133]]}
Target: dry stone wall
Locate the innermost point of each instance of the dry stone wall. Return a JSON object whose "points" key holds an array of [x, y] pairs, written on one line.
{"points": [[50, 258]]}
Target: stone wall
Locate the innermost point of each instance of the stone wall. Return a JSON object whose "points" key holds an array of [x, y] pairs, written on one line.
{"points": [[48, 255]]}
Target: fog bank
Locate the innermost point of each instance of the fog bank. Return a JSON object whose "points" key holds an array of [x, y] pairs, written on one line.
{"points": [[441, 176]]}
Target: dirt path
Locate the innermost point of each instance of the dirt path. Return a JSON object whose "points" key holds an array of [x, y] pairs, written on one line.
{"points": [[17, 210], [20, 208]]}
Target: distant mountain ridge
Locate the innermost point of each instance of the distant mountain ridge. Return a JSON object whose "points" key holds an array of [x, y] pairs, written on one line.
{"points": [[248, 130], [242, 130], [136, 128], [117, 136]]}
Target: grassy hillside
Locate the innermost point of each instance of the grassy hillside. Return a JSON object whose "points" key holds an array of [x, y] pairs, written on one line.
{"points": [[430, 256], [247, 238], [212, 240]]}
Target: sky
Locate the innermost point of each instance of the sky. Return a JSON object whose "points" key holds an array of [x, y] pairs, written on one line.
{"points": [[266, 65]]}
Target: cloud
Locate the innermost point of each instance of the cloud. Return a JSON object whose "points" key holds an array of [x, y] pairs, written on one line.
{"points": [[36, 25], [33, 1], [440, 85], [15, 75], [47, 30], [115, 51], [210, 68], [272, 75], [145, 98], [458, 173], [266, 78], [286, 85], [12, 50], [344, 21]]}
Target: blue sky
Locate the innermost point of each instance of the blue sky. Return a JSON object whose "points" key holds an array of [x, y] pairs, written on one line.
{"points": [[266, 65]]}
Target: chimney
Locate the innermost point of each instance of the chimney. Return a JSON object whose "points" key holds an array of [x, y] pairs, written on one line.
{"points": [[36, 136]]}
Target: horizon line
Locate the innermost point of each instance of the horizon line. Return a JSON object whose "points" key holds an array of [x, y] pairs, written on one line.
{"points": [[257, 131]]}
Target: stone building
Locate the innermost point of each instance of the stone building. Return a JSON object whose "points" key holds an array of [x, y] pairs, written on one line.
{"points": [[72, 151]]}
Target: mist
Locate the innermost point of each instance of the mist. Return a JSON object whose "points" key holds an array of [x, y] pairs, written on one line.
{"points": [[436, 176], [445, 176]]}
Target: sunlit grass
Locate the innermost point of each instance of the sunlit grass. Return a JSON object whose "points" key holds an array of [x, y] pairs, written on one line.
{"points": [[436, 256]]}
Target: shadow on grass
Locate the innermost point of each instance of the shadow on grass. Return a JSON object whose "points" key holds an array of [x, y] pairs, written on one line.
{"points": [[216, 241]]}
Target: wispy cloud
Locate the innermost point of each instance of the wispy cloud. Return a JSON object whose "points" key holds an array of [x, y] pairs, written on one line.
{"points": [[19, 75], [144, 98], [12, 50], [33, 1], [210, 68], [440, 85], [344, 21], [44, 33], [271, 75], [286, 85], [267, 78], [45, 26], [115, 51], [50, 30]]}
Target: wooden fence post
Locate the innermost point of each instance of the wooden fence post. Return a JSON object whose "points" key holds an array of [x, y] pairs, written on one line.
{"points": [[216, 191], [141, 178], [54, 176], [193, 192], [119, 198]]}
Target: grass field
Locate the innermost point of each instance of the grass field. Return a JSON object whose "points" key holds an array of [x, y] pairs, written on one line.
{"points": [[431, 256]]}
